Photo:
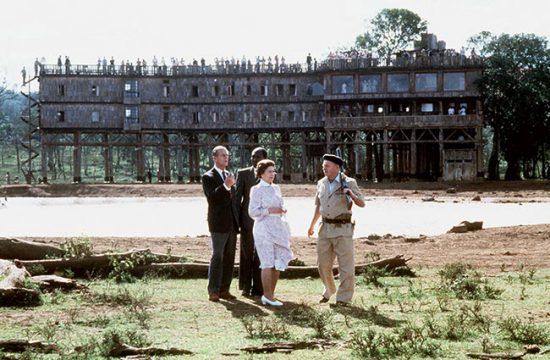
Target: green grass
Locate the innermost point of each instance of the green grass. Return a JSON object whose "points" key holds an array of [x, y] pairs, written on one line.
{"points": [[408, 318]]}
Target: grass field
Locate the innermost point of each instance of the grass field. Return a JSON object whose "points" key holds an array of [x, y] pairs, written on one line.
{"points": [[442, 313]]}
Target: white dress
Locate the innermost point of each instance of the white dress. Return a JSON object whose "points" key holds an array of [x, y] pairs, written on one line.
{"points": [[271, 231]]}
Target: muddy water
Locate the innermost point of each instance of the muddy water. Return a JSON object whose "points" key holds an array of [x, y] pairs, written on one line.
{"points": [[160, 217]]}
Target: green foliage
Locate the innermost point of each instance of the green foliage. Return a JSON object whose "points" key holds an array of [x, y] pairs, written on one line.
{"points": [[524, 332], [77, 248], [372, 274], [391, 30], [515, 85], [322, 322], [402, 342], [122, 268], [262, 327], [464, 283]]}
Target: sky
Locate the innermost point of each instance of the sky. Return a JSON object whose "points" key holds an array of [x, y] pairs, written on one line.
{"points": [[134, 29]]}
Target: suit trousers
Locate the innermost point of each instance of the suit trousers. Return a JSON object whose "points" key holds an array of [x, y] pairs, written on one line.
{"points": [[250, 280], [220, 271]]}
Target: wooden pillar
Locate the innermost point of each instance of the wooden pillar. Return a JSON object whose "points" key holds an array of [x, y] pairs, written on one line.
{"points": [[413, 154], [77, 158], [167, 175], [479, 152], [140, 158], [287, 160], [108, 158], [44, 157], [329, 139], [370, 173], [304, 156], [386, 152], [179, 158], [441, 157]]}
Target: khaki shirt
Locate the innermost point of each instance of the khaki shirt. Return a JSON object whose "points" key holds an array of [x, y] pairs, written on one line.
{"points": [[333, 205]]}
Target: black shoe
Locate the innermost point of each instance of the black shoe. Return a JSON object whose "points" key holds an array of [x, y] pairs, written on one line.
{"points": [[323, 300], [340, 304]]}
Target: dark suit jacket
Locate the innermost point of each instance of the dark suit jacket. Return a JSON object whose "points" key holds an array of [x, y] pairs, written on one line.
{"points": [[245, 180], [222, 210]]}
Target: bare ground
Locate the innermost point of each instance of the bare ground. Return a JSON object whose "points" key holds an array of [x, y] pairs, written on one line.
{"points": [[503, 190], [488, 249]]}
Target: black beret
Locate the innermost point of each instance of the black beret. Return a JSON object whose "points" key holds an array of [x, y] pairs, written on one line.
{"points": [[334, 158]]}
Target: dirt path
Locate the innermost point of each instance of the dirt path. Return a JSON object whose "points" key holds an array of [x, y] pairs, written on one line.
{"points": [[486, 249]]}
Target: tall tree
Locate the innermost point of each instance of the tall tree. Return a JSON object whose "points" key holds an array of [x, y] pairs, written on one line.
{"points": [[515, 86], [391, 30]]}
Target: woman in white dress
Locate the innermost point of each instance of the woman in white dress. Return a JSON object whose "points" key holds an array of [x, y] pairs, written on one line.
{"points": [[271, 231]]}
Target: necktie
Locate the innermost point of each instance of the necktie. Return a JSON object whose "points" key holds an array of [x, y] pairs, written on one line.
{"points": [[223, 175]]}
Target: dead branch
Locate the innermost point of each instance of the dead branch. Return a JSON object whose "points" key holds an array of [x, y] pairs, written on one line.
{"points": [[12, 287], [119, 350], [504, 356], [287, 347], [19, 346]]}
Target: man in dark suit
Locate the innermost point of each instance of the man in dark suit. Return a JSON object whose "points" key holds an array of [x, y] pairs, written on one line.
{"points": [[250, 281], [218, 185]]}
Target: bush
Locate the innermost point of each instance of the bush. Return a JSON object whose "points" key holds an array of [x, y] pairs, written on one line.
{"points": [[264, 327], [464, 283], [77, 248], [524, 332]]}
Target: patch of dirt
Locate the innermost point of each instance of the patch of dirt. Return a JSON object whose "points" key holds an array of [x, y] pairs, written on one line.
{"points": [[487, 249], [505, 191]]}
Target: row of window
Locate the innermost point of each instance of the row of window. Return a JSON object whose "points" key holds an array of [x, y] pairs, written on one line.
{"points": [[345, 84], [131, 89], [131, 115]]}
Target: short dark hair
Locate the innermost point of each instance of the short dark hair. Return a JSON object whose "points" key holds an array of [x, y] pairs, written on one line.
{"points": [[260, 150], [262, 166]]}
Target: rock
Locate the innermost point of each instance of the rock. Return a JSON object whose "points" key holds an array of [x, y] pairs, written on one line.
{"points": [[451, 190], [428, 198], [458, 229], [532, 349], [476, 198], [473, 226]]}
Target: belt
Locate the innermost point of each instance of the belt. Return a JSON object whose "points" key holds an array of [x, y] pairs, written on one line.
{"points": [[336, 221]]}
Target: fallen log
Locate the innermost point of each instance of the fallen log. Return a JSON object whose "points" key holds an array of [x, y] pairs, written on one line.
{"points": [[13, 291], [466, 226], [99, 262], [26, 250], [120, 349], [487, 356], [287, 347], [19, 346], [50, 282], [397, 264]]}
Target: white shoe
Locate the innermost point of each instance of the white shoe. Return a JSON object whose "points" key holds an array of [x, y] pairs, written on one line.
{"points": [[266, 301]]}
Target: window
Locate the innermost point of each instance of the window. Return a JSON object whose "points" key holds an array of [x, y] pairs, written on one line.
{"points": [[231, 90], [278, 116], [95, 90], [194, 91], [61, 116], [370, 108], [263, 90], [427, 107], [215, 117], [342, 84], [248, 90], [131, 88], [61, 90], [131, 114], [232, 116], [166, 90], [279, 91], [166, 114], [426, 82], [370, 83], [215, 90], [246, 116], [291, 116], [196, 117], [265, 116], [398, 82], [95, 116], [304, 116], [453, 81], [292, 90], [380, 109]]}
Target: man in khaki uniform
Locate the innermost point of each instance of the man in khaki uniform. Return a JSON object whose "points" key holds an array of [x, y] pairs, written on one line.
{"points": [[336, 194]]}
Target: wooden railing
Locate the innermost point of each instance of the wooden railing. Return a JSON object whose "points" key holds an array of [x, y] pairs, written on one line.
{"points": [[380, 122]]}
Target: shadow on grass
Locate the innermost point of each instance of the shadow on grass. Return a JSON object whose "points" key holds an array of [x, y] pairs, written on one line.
{"points": [[371, 314], [240, 309]]}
